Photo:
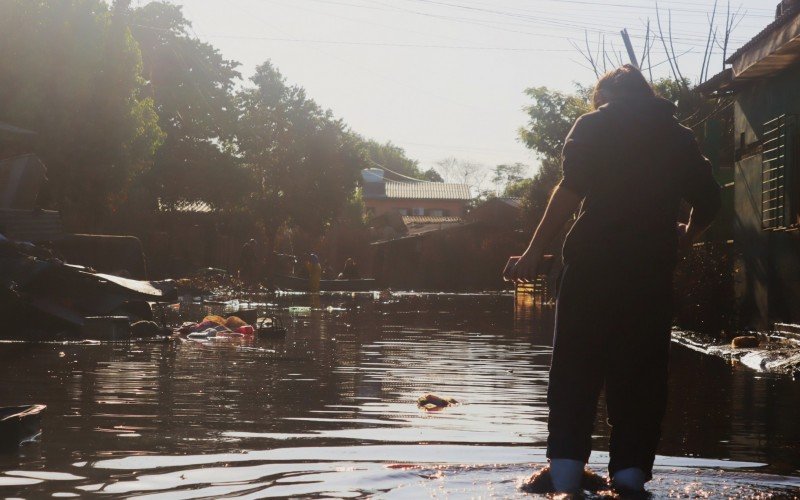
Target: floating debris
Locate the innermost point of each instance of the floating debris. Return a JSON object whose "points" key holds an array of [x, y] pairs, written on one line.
{"points": [[234, 322], [434, 402], [214, 326], [774, 353], [19, 424], [271, 325], [745, 342]]}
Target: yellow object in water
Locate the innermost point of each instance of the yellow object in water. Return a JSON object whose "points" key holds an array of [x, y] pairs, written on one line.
{"points": [[215, 319], [234, 322]]}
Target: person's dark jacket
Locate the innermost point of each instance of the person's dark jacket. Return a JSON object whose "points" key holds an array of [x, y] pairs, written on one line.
{"points": [[633, 163]]}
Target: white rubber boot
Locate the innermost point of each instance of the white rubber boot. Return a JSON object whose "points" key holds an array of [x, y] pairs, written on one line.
{"points": [[566, 475], [631, 479]]}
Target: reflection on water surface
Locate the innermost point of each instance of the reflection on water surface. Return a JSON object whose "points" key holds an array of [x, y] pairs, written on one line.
{"points": [[331, 410]]}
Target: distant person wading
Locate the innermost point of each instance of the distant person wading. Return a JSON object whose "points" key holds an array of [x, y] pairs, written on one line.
{"points": [[627, 166]]}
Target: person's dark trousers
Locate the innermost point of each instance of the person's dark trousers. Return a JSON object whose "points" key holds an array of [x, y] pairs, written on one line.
{"points": [[612, 330]]}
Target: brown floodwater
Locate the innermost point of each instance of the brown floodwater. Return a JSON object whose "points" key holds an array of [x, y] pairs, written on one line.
{"points": [[330, 410]]}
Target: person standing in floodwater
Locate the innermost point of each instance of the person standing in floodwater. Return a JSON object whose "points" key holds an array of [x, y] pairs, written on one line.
{"points": [[627, 165], [248, 262], [314, 273]]}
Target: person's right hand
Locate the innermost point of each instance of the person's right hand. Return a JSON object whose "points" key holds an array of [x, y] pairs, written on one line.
{"points": [[526, 267], [685, 236]]}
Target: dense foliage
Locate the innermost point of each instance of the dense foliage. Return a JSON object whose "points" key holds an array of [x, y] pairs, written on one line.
{"points": [[72, 72], [135, 114], [304, 161], [397, 165], [192, 86]]}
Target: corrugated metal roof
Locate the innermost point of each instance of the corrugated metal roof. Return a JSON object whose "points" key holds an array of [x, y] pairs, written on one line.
{"points": [[720, 81], [31, 225], [186, 206], [418, 226], [427, 191], [772, 27], [430, 219]]}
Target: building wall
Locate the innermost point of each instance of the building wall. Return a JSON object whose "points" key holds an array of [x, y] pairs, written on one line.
{"points": [[470, 257], [768, 276], [453, 208]]}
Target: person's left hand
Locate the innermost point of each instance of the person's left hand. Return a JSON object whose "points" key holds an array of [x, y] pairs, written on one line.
{"points": [[526, 267]]}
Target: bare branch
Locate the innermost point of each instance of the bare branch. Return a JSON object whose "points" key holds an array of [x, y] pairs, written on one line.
{"points": [[646, 42], [664, 42], [672, 48], [587, 56], [706, 53], [589, 53]]}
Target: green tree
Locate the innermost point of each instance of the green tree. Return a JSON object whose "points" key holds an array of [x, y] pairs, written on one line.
{"points": [[305, 162], [72, 73], [550, 118], [506, 175], [432, 175], [397, 166], [192, 86], [518, 189]]}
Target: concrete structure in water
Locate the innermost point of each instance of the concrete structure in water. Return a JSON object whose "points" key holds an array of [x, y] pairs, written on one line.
{"points": [[764, 83]]}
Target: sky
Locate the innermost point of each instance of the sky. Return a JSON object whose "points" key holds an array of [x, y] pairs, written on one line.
{"points": [[446, 78]]}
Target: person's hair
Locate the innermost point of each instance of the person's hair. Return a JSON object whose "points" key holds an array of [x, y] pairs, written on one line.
{"points": [[622, 83]]}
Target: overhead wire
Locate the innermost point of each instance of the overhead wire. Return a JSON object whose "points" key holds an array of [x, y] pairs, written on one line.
{"points": [[385, 44], [384, 167], [591, 26]]}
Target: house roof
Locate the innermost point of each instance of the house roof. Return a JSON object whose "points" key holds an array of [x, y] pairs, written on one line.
{"points": [[498, 211], [186, 206], [719, 82], [774, 49], [766, 32], [429, 219], [417, 226], [427, 191], [512, 202]]}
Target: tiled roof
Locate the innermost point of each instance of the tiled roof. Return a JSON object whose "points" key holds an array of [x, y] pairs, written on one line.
{"points": [[777, 23], [427, 191]]}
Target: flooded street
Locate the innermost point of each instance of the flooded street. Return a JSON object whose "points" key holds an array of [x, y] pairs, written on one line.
{"points": [[330, 410]]}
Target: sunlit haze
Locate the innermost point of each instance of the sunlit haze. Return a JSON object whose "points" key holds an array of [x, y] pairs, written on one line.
{"points": [[446, 78]]}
